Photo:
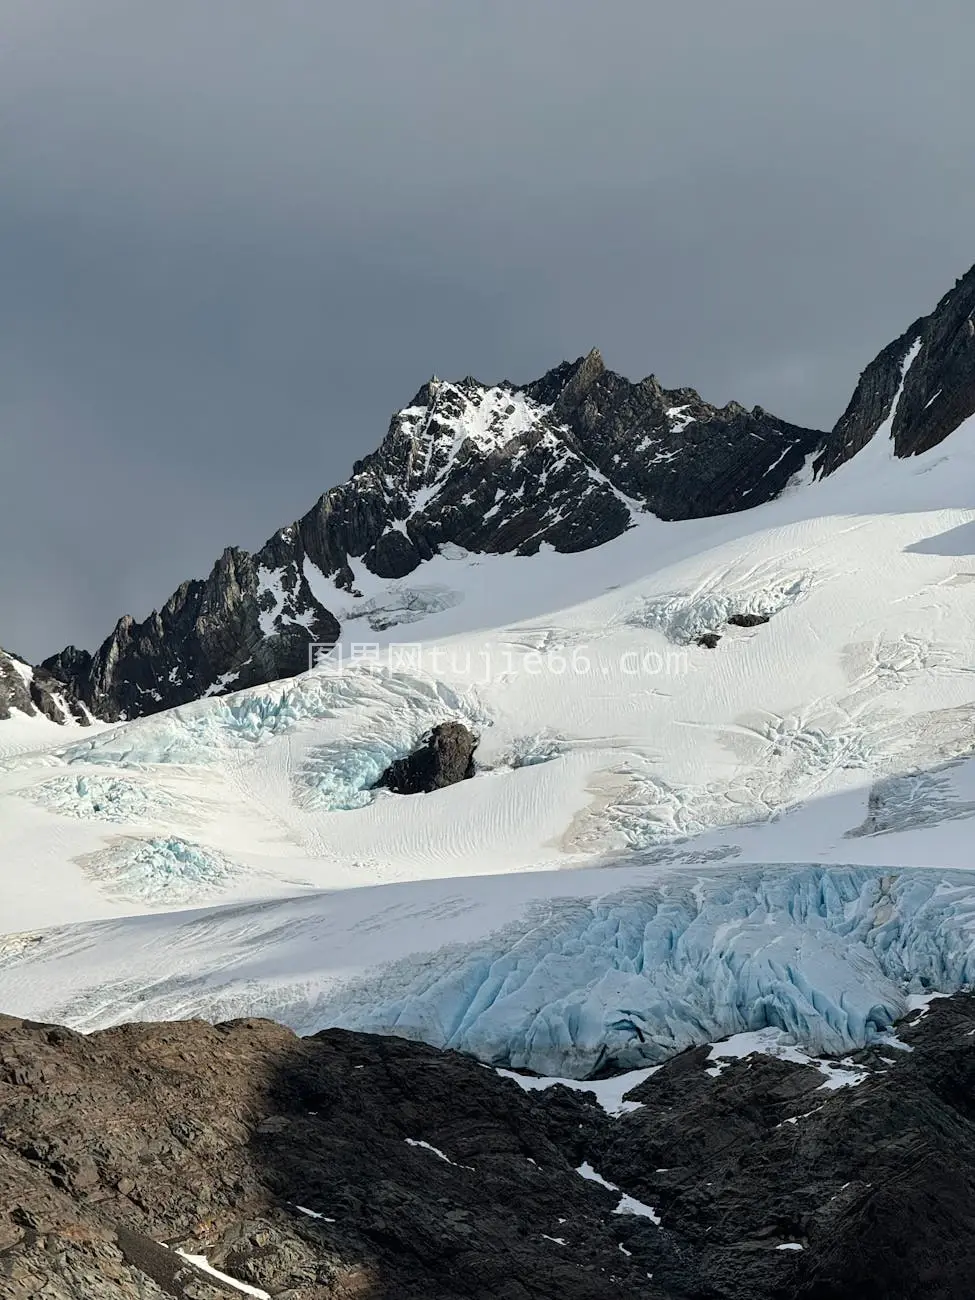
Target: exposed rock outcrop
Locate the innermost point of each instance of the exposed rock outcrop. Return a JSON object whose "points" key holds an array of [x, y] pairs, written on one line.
{"points": [[33, 690], [668, 449], [935, 393], [747, 620], [244, 625], [445, 757], [346, 1165]]}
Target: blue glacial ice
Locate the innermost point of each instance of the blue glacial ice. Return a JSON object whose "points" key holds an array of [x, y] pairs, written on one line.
{"points": [[91, 797], [682, 616], [340, 774], [162, 870], [827, 955], [398, 706]]}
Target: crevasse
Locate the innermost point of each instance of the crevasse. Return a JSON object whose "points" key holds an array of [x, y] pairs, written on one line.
{"points": [[829, 955]]}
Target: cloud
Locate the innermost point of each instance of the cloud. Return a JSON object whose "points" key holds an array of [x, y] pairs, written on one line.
{"points": [[236, 237]]}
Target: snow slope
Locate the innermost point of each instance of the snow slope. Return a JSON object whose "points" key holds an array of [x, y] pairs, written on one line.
{"points": [[694, 842]]}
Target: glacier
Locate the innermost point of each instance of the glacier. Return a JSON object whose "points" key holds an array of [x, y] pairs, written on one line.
{"points": [[572, 987], [826, 955], [110, 799], [684, 616], [765, 838]]}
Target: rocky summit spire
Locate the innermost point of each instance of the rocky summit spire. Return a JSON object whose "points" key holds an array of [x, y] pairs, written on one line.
{"points": [[919, 389]]}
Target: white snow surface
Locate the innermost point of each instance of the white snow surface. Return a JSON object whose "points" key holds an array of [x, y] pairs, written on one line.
{"points": [[201, 1262], [609, 1093], [664, 845], [627, 1204]]}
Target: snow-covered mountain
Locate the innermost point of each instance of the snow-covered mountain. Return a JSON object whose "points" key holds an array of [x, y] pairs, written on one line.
{"points": [[568, 462], [929, 371], [28, 692], [723, 783], [725, 762]]}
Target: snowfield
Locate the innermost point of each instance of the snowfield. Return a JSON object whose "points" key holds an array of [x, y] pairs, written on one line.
{"points": [[665, 843]]}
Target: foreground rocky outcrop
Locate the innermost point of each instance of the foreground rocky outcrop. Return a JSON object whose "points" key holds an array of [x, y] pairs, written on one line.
{"points": [[445, 757], [346, 1165]]}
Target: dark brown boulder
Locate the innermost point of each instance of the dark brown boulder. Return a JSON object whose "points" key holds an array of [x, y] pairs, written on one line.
{"points": [[445, 757], [747, 620]]}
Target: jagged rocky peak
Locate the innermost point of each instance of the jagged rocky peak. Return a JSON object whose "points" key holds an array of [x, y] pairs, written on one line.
{"points": [[677, 455], [33, 691], [566, 461], [243, 625], [922, 385]]}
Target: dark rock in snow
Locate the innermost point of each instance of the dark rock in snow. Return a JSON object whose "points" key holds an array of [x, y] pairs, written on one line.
{"points": [[747, 620], [445, 757], [708, 639]]}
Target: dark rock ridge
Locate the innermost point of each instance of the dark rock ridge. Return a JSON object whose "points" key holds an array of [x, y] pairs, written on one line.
{"points": [[347, 1165], [33, 690], [936, 391], [567, 461], [234, 629], [445, 757]]}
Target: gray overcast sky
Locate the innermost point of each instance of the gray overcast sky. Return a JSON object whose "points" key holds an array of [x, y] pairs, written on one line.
{"points": [[235, 235]]}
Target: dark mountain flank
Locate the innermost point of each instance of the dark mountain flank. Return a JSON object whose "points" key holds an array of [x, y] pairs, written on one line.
{"points": [[347, 1165]]}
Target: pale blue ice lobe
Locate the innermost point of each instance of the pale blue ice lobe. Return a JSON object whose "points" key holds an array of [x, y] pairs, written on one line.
{"points": [[683, 616], [341, 776], [199, 734], [162, 870], [392, 712], [97, 798], [827, 955]]}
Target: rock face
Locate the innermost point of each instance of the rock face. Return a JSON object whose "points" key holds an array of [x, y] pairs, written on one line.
{"points": [[444, 758], [247, 623], [33, 690], [346, 1165], [869, 1181], [668, 449], [337, 1166], [566, 461], [936, 387]]}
